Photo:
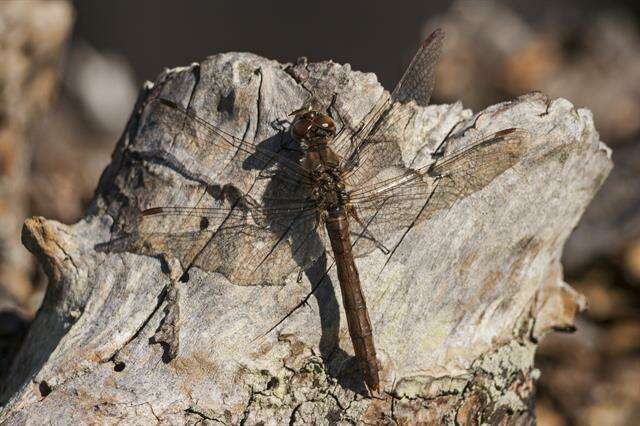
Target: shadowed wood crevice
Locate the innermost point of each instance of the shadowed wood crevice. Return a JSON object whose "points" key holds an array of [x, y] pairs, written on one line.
{"points": [[455, 312]]}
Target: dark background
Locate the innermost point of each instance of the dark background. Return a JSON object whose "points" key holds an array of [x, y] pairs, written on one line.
{"points": [[377, 36]]}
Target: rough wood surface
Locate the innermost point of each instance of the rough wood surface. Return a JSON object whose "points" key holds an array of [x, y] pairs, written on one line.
{"points": [[456, 313]]}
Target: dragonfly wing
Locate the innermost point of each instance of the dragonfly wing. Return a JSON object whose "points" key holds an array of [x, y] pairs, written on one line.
{"points": [[391, 201], [248, 244], [401, 198], [204, 140], [226, 231], [379, 150], [416, 84], [473, 167], [346, 141], [371, 146], [418, 80]]}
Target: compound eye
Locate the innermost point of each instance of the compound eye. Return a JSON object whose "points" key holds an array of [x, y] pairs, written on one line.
{"points": [[327, 124], [301, 129]]}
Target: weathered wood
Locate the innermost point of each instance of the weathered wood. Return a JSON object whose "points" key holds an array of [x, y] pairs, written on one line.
{"points": [[456, 313]]}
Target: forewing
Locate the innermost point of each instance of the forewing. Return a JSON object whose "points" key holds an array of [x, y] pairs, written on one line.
{"points": [[400, 198], [204, 140], [418, 80], [226, 230], [372, 146], [379, 150], [348, 139]]}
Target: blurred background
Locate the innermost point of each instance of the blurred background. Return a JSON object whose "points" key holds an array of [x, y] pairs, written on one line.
{"points": [[70, 72]]}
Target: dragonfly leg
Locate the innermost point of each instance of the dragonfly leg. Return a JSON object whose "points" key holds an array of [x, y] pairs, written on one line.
{"points": [[365, 231], [266, 175], [321, 217], [280, 124]]}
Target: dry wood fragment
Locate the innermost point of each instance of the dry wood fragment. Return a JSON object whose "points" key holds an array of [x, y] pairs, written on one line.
{"points": [[456, 313]]}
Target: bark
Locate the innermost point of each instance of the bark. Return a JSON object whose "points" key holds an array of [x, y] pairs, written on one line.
{"points": [[457, 312]]}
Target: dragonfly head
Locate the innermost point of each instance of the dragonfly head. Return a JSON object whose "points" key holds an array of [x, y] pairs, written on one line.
{"points": [[312, 127]]}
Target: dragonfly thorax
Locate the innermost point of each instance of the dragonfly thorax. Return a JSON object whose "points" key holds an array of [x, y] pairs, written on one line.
{"points": [[329, 189], [312, 127]]}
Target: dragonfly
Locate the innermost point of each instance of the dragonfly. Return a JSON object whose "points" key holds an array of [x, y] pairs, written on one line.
{"points": [[351, 181]]}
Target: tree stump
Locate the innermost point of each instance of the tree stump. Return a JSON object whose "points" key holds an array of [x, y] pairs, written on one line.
{"points": [[457, 311]]}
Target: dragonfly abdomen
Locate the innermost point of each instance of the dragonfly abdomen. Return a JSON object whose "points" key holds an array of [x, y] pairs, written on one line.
{"points": [[354, 303]]}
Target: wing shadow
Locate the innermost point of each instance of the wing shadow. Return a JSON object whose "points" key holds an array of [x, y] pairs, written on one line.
{"points": [[339, 364]]}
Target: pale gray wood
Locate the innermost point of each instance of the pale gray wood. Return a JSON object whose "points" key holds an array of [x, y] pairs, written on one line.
{"points": [[456, 313]]}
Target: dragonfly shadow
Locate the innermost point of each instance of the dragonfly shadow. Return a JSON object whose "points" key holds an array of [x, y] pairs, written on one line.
{"points": [[339, 364], [284, 234], [308, 251]]}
